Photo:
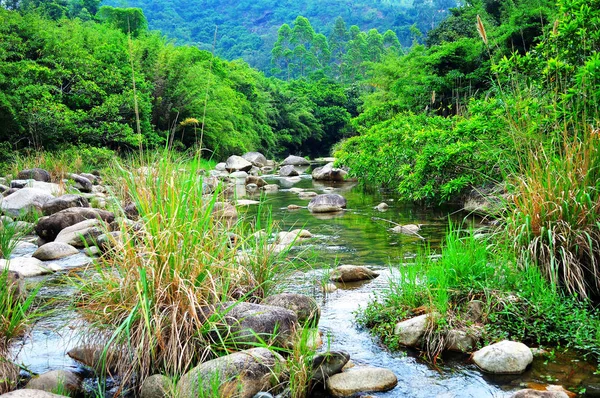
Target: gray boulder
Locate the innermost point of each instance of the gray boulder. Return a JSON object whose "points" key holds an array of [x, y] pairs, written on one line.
{"points": [[54, 250], [81, 183], [237, 163], [256, 180], [329, 173], [357, 380], [224, 212], [256, 158], [156, 386], [327, 203], [531, 393], [241, 375], [462, 340], [82, 234], [34, 174], [93, 178], [306, 308], [295, 161], [505, 357], [352, 273], [288, 171], [56, 380], [63, 202], [49, 227], [410, 331], [25, 266], [27, 393], [248, 324], [24, 201], [327, 364]]}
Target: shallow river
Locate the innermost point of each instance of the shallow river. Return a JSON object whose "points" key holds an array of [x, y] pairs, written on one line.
{"points": [[359, 236]]}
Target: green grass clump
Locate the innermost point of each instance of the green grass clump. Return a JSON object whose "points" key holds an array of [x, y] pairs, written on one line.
{"points": [[519, 303], [148, 301], [9, 237]]}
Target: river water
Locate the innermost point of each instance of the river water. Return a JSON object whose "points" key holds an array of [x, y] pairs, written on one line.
{"points": [[361, 236]]}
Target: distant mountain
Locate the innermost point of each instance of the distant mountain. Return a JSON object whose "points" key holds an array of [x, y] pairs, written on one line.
{"points": [[248, 28]]}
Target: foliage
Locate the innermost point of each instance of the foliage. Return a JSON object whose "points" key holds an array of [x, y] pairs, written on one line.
{"points": [[519, 302], [10, 232]]}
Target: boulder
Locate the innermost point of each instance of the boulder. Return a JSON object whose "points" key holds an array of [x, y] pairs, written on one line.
{"points": [[56, 380], [247, 324], [256, 180], [54, 250], [295, 161], [352, 273], [92, 356], [306, 308], [94, 179], [36, 174], [220, 166], [408, 229], [49, 227], [531, 393], [25, 266], [81, 183], [327, 203], [63, 202], [270, 188], [19, 184], [225, 212], [382, 206], [82, 234], [256, 158], [237, 163], [505, 357], [462, 340], [357, 380], [327, 364], [241, 375], [27, 393], [156, 386], [24, 201], [410, 331], [47, 187], [288, 171], [329, 173], [287, 238]]}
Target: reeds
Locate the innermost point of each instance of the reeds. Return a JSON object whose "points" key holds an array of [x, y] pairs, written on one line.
{"points": [[150, 301]]}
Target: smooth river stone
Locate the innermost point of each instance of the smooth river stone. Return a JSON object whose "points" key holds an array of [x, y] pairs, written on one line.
{"points": [[357, 380]]}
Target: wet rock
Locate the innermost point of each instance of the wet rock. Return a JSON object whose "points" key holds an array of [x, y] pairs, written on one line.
{"points": [[256, 158], [256, 180], [306, 308], [56, 380], [27, 393], [382, 206], [49, 227], [462, 340], [329, 288], [288, 171], [294, 207], [410, 331], [54, 250], [270, 188], [36, 174], [24, 201], [327, 203], [287, 238], [505, 357], [295, 161], [25, 266], [352, 273], [531, 393], [327, 364], [358, 380], [248, 324], [329, 173], [63, 202], [156, 386], [242, 374], [408, 229], [237, 163], [307, 195], [81, 234], [92, 356], [81, 183]]}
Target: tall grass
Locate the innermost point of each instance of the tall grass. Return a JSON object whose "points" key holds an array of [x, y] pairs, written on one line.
{"points": [[10, 233], [16, 313], [150, 301]]}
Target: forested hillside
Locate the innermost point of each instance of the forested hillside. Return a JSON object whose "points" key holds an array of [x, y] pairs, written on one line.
{"points": [[248, 29]]}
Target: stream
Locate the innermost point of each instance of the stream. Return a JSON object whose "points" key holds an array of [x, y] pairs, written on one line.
{"points": [[360, 236]]}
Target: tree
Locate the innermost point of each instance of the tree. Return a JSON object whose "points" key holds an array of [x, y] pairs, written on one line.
{"points": [[128, 20]]}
